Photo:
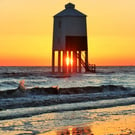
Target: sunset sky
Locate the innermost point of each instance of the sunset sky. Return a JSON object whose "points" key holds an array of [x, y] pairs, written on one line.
{"points": [[26, 28]]}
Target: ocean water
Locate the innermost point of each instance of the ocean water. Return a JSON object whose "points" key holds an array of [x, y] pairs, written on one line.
{"points": [[40, 111], [41, 77]]}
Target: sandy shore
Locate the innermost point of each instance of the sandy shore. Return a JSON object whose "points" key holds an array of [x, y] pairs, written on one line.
{"points": [[119, 120], [117, 125]]}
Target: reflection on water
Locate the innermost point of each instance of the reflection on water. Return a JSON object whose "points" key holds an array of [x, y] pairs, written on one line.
{"points": [[71, 131], [76, 131], [116, 125]]}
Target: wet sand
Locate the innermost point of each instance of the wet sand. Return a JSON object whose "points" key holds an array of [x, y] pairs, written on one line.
{"points": [[116, 125], [119, 120]]}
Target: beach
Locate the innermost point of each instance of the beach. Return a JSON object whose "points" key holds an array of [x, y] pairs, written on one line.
{"points": [[117, 125], [107, 121], [35, 102]]}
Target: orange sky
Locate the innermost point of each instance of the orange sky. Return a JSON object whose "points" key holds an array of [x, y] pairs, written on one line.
{"points": [[26, 28]]}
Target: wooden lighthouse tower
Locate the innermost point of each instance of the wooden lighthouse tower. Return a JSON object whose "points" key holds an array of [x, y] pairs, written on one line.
{"points": [[70, 49]]}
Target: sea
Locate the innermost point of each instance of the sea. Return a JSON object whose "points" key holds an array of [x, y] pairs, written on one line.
{"points": [[26, 106]]}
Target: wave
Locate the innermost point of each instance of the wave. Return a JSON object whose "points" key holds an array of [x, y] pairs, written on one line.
{"points": [[28, 112], [22, 91], [24, 74], [21, 97], [22, 102], [14, 74], [116, 69], [8, 82]]}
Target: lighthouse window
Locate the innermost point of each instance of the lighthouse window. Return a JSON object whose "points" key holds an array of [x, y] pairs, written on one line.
{"points": [[59, 24]]}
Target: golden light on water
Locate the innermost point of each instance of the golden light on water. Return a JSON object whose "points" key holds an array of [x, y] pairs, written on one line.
{"points": [[117, 125]]}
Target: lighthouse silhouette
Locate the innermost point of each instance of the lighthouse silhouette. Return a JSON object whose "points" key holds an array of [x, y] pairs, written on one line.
{"points": [[70, 48]]}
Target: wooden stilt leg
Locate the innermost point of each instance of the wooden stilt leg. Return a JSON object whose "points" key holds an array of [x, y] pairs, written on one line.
{"points": [[86, 59], [53, 61], [79, 61], [69, 67], [75, 61], [64, 62], [59, 61]]}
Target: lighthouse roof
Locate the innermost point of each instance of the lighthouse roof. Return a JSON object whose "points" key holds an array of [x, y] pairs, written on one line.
{"points": [[70, 11]]}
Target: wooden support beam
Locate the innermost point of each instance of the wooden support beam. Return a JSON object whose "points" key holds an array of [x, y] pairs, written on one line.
{"points": [[53, 61], [79, 61], [86, 59], [64, 61], [66, 66], [69, 67], [75, 61], [59, 61]]}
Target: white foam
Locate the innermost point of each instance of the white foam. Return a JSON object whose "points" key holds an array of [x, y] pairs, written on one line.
{"points": [[23, 112]]}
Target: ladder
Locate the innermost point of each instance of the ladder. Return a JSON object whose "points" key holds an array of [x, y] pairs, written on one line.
{"points": [[88, 67]]}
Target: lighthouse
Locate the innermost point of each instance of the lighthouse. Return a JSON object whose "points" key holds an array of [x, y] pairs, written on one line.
{"points": [[70, 48]]}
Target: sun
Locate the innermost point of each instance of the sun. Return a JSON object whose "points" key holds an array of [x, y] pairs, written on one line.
{"points": [[69, 61]]}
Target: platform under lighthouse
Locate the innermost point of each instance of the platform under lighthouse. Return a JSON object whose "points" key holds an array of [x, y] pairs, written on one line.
{"points": [[70, 49]]}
